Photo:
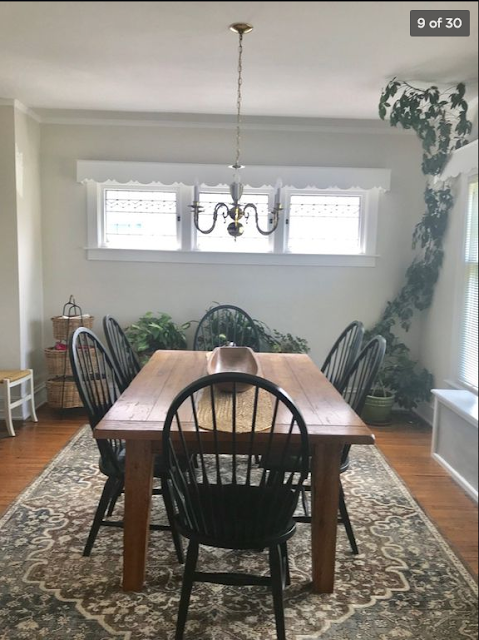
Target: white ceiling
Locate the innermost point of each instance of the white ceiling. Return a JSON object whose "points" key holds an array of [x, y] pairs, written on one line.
{"points": [[303, 59]]}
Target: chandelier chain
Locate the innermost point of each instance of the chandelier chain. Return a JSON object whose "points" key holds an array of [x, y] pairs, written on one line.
{"points": [[236, 214], [238, 101]]}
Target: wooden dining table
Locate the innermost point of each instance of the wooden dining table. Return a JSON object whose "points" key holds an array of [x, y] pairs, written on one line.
{"points": [[138, 417]]}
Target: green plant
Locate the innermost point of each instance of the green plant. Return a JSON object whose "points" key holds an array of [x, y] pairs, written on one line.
{"points": [[276, 342], [440, 121], [271, 340], [438, 118], [400, 375], [152, 332]]}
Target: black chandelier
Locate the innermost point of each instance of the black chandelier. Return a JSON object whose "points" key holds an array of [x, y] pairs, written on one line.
{"points": [[236, 212]]}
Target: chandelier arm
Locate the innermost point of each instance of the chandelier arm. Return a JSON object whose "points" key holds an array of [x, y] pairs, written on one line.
{"points": [[196, 212], [274, 220]]}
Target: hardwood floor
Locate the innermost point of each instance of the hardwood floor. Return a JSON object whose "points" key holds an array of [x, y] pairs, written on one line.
{"points": [[24, 457], [406, 445]]}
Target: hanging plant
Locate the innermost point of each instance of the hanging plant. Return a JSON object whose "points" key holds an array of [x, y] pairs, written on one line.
{"points": [[440, 121]]}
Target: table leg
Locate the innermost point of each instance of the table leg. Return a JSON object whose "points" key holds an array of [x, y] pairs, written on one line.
{"points": [[138, 489], [326, 462]]}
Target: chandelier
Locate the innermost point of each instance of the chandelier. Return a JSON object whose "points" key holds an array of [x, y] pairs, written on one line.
{"points": [[236, 213]]}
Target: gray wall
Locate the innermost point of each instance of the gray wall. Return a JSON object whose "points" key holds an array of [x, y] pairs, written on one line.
{"points": [[312, 302]]}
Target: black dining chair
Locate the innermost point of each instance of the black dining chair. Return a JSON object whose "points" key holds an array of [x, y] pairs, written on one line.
{"points": [[121, 351], [223, 499], [343, 353], [99, 386], [225, 324], [356, 386]]}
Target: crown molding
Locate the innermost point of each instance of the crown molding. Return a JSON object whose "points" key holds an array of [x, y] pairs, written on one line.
{"points": [[216, 121], [19, 106]]}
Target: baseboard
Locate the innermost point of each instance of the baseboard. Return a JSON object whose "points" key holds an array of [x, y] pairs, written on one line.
{"points": [[468, 488]]}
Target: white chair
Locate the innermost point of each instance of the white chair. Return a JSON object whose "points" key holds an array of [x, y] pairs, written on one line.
{"points": [[12, 378]]}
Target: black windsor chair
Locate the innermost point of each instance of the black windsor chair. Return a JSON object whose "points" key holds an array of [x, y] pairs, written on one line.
{"points": [[99, 386], [223, 325], [223, 499], [343, 353], [121, 351], [355, 387]]}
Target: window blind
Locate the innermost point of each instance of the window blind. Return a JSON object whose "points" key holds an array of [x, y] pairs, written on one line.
{"points": [[468, 374]]}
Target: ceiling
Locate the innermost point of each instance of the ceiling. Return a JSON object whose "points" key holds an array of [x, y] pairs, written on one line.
{"points": [[303, 59]]}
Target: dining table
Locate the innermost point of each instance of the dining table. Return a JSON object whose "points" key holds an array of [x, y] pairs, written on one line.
{"points": [[138, 418]]}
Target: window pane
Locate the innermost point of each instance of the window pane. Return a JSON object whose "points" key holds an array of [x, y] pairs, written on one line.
{"points": [[468, 360], [325, 224], [140, 219], [219, 239]]}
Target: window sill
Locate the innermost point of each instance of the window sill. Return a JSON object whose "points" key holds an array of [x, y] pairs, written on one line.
{"points": [[209, 257]]}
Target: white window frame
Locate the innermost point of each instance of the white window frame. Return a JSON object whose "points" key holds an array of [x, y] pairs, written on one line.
{"points": [[368, 217], [188, 254], [101, 216], [461, 285]]}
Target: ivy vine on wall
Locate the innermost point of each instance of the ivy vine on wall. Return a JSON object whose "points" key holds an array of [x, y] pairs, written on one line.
{"points": [[440, 122]]}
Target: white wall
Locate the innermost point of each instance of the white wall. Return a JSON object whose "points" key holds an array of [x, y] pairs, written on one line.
{"points": [[30, 268], [9, 278], [312, 302]]}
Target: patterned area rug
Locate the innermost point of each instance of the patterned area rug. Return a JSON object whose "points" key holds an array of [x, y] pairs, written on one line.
{"points": [[406, 584]]}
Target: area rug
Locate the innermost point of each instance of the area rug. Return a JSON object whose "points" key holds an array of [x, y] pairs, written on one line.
{"points": [[406, 584]]}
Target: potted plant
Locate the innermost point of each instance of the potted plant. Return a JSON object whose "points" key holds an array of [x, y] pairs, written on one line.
{"points": [[152, 332], [400, 381]]}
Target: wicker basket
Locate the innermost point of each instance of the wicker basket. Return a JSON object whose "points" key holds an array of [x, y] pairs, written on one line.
{"points": [[63, 327], [58, 362], [62, 393]]}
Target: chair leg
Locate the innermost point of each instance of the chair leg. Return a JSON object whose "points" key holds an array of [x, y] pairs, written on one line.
{"points": [[117, 493], [275, 563], [305, 502], [347, 522], [32, 399], [7, 409], [170, 511], [188, 579], [106, 496], [285, 557]]}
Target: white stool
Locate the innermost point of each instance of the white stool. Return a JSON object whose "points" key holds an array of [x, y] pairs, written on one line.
{"points": [[11, 378]]}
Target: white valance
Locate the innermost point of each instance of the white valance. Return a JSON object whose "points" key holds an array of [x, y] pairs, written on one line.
{"points": [[258, 176], [462, 161]]}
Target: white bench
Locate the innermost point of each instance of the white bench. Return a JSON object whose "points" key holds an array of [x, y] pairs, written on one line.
{"points": [[455, 436]]}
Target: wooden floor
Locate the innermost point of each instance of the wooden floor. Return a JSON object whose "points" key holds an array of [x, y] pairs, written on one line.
{"points": [[406, 446]]}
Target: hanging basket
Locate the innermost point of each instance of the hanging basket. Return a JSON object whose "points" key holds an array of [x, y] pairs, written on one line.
{"points": [[64, 326], [58, 362], [62, 394], [71, 319]]}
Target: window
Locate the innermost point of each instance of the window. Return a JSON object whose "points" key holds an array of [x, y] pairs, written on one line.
{"points": [[325, 223], [468, 363], [154, 223], [140, 218], [219, 239]]}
